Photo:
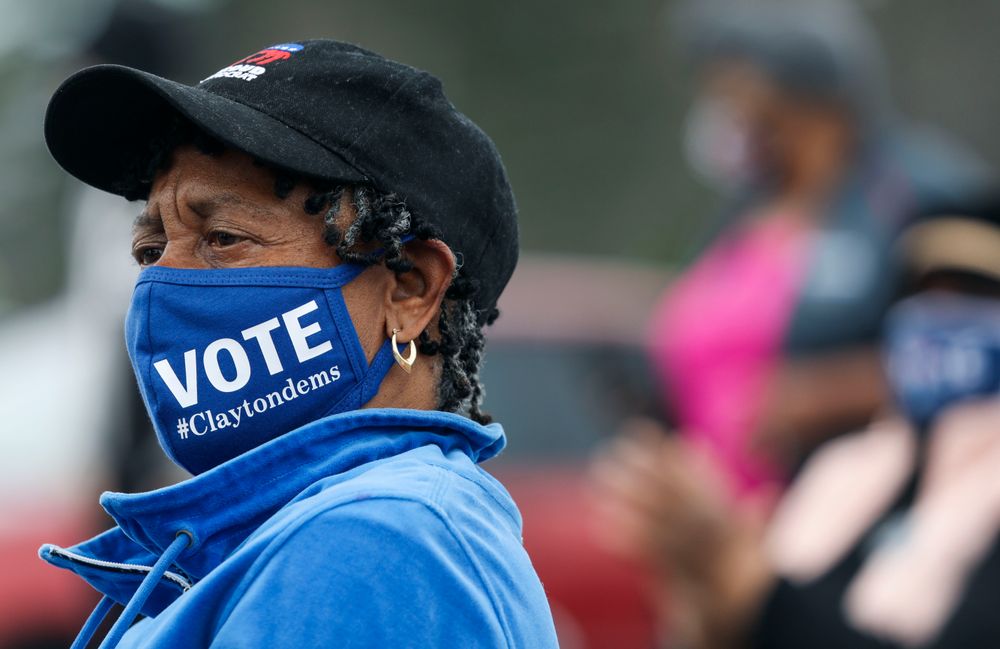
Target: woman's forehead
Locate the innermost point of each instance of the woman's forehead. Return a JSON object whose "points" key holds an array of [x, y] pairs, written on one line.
{"points": [[208, 182]]}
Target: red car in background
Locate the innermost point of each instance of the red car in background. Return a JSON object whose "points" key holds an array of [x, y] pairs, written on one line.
{"points": [[564, 367]]}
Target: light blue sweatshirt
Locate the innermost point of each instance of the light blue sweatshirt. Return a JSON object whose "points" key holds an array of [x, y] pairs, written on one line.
{"points": [[374, 528]]}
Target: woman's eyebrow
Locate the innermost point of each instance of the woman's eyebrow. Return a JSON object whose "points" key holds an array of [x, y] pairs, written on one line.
{"points": [[146, 220], [208, 205]]}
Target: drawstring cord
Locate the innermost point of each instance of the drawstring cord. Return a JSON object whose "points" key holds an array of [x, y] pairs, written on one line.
{"points": [[94, 621], [134, 606]]}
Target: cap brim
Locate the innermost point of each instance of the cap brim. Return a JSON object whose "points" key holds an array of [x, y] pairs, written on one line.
{"points": [[953, 243], [101, 121]]}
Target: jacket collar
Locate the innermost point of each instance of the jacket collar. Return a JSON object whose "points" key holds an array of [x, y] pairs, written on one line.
{"points": [[221, 507]]}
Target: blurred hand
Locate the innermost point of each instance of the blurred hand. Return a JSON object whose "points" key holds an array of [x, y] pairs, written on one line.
{"points": [[664, 504], [658, 501], [810, 400]]}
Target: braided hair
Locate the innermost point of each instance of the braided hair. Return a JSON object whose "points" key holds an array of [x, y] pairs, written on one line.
{"points": [[383, 223]]}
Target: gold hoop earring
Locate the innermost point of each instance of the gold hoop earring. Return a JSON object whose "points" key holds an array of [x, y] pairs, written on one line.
{"points": [[411, 355]]}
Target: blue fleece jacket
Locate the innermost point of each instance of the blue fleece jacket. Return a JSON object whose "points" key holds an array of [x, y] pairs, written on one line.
{"points": [[373, 528]]}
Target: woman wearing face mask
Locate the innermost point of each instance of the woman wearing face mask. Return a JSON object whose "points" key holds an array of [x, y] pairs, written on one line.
{"points": [[323, 239], [888, 537], [765, 343]]}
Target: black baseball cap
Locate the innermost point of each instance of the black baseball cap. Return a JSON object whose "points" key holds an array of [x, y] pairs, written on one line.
{"points": [[320, 108], [958, 235]]}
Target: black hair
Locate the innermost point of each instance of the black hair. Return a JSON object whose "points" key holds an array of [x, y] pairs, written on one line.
{"points": [[382, 223], [813, 50], [955, 280]]}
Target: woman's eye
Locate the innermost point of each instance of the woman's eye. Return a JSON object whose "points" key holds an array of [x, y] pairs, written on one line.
{"points": [[224, 239], [148, 256]]}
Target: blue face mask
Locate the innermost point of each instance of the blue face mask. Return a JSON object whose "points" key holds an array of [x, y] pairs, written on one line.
{"points": [[227, 360], [942, 349]]}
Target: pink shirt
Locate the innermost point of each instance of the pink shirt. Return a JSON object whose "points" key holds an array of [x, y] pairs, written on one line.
{"points": [[717, 333]]}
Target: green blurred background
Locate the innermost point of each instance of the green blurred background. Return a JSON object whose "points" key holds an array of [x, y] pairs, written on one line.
{"points": [[586, 101]]}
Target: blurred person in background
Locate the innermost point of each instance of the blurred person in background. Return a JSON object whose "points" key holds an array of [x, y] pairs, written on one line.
{"points": [[889, 537], [49, 475], [765, 344], [307, 343]]}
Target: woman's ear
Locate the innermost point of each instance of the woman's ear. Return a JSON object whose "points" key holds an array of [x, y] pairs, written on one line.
{"points": [[414, 298]]}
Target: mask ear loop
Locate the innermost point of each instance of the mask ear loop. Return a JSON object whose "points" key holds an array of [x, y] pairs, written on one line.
{"points": [[375, 373], [403, 240]]}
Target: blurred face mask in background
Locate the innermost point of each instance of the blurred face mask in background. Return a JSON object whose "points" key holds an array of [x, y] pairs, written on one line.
{"points": [[941, 349]]}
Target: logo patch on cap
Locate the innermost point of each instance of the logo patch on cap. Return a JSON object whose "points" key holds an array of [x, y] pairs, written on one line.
{"points": [[251, 67]]}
